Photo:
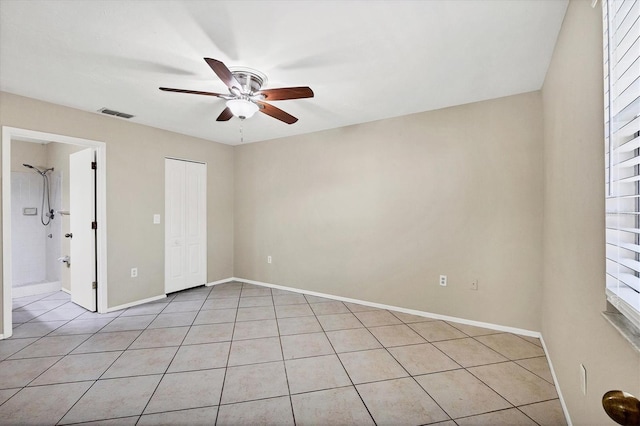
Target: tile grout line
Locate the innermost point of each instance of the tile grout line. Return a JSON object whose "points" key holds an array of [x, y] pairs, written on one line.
{"points": [[226, 368], [284, 363], [353, 385]]}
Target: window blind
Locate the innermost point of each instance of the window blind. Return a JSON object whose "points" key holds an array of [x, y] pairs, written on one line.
{"points": [[621, 26]]}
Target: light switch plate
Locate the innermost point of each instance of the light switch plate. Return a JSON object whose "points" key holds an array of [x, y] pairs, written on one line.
{"points": [[156, 219]]}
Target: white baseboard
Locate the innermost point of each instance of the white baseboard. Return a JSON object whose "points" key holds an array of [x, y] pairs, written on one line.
{"points": [[136, 303], [226, 280], [555, 382], [520, 331]]}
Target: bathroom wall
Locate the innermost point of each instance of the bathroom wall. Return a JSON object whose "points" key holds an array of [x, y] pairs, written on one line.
{"points": [[28, 248]]}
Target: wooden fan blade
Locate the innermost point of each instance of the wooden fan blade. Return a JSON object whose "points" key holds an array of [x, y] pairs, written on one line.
{"points": [[276, 113], [286, 93], [193, 92], [223, 73], [225, 115]]}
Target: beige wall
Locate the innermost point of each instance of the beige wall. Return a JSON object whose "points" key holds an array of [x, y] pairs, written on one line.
{"points": [[135, 190], [28, 152], [378, 211], [573, 285]]}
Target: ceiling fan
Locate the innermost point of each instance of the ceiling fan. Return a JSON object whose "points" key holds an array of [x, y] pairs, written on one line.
{"points": [[245, 96]]}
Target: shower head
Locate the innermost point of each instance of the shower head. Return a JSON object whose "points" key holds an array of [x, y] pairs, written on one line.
{"points": [[37, 169]]}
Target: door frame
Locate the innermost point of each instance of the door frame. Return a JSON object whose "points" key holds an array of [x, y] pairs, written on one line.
{"points": [[11, 133]]}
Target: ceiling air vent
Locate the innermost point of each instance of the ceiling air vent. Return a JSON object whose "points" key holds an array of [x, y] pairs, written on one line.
{"points": [[115, 113]]}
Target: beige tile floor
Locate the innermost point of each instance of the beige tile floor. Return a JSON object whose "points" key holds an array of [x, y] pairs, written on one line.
{"points": [[242, 354]]}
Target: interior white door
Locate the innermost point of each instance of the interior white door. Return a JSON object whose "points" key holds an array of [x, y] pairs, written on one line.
{"points": [[82, 198], [185, 224]]}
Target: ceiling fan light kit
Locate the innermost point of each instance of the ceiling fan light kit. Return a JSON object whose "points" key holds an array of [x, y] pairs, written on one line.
{"points": [[242, 108], [246, 96]]}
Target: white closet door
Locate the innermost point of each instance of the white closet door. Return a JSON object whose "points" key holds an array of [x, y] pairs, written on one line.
{"points": [[185, 225]]}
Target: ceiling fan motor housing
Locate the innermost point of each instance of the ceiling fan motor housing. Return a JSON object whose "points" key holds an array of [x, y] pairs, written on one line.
{"points": [[250, 79]]}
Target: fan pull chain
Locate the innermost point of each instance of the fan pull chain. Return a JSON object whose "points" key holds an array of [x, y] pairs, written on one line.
{"points": [[241, 133]]}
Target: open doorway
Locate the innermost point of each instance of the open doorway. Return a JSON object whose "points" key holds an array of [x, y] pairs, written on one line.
{"points": [[17, 138]]}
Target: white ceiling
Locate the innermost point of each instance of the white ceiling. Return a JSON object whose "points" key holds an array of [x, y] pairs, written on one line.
{"points": [[365, 60]]}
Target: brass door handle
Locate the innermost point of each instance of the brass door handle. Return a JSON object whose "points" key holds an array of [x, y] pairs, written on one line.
{"points": [[622, 407]]}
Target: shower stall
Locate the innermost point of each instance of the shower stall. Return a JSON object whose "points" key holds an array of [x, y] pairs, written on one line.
{"points": [[36, 196]]}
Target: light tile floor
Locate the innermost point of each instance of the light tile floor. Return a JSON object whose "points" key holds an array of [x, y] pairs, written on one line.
{"points": [[242, 354]]}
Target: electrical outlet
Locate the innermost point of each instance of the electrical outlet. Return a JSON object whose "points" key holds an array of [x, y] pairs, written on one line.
{"points": [[474, 285], [583, 379], [443, 280], [268, 259], [134, 272]]}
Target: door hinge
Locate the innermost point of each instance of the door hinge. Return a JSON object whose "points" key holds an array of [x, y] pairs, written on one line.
{"points": [[94, 165], [94, 225], [94, 285]]}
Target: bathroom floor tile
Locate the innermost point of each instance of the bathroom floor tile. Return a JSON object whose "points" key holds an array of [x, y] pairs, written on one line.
{"points": [[339, 321], [469, 352], [159, 337], [508, 417], [298, 325], [51, 346], [255, 329], [101, 342], [215, 316], [224, 303], [352, 340], [250, 302], [461, 394], [545, 413], [42, 404], [111, 398], [193, 416], [36, 329], [256, 381], [77, 368], [272, 412], [177, 319], [16, 373], [371, 366], [9, 347], [409, 318], [435, 331], [289, 311], [400, 401], [200, 357], [316, 373], [289, 299], [255, 351], [396, 335], [139, 322], [422, 359], [511, 346], [516, 384], [328, 308], [209, 333], [538, 366], [139, 362], [377, 318], [305, 345], [191, 389], [346, 408]]}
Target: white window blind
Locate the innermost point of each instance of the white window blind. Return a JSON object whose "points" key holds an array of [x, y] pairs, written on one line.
{"points": [[621, 26]]}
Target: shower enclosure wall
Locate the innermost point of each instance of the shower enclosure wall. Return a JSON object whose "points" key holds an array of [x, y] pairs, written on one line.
{"points": [[35, 248]]}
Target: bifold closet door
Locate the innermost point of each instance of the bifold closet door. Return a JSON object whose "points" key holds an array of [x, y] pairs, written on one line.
{"points": [[185, 224]]}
